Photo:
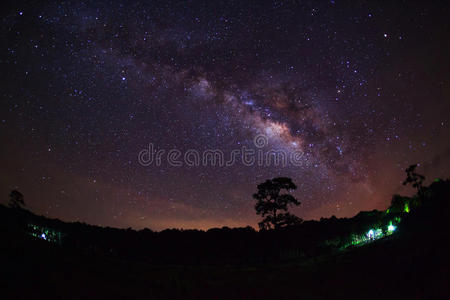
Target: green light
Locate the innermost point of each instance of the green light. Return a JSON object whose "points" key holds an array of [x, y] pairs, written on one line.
{"points": [[406, 208], [47, 234], [378, 233]]}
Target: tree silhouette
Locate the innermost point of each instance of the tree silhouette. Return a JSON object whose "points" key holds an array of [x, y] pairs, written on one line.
{"points": [[273, 206], [414, 178], [16, 199]]}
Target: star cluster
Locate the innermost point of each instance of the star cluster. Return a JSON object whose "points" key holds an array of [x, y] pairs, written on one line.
{"points": [[360, 89]]}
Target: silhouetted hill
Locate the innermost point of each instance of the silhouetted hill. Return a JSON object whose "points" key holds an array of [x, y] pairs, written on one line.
{"points": [[400, 253]]}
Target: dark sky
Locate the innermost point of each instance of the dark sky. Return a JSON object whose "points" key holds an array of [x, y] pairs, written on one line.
{"points": [[357, 90]]}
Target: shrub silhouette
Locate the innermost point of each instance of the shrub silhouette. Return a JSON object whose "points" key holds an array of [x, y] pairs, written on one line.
{"points": [[16, 199], [414, 178]]}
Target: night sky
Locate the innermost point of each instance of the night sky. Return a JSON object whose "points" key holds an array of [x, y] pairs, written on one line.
{"points": [[360, 89]]}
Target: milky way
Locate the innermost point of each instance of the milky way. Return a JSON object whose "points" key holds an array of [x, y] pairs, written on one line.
{"points": [[361, 90]]}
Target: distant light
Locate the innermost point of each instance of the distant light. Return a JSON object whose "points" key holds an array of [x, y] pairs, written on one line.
{"points": [[391, 227], [43, 236], [406, 208], [370, 233]]}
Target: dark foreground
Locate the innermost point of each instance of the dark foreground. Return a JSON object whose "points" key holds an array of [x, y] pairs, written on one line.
{"points": [[400, 267], [412, 263]]}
